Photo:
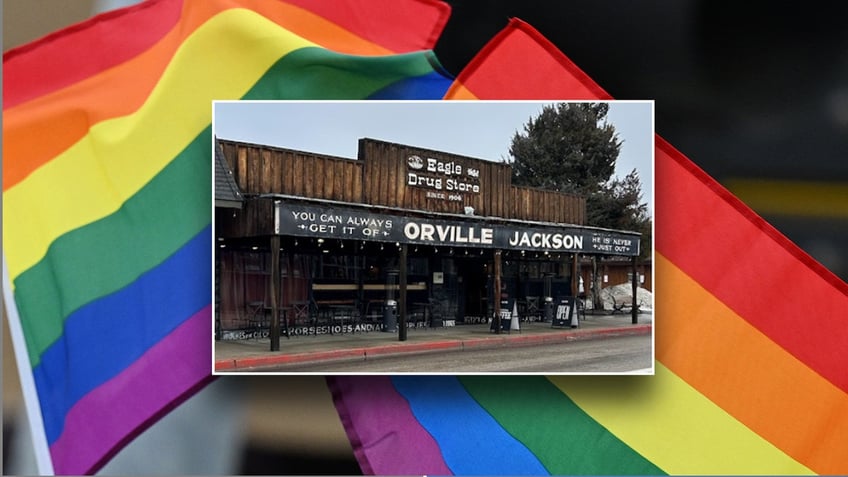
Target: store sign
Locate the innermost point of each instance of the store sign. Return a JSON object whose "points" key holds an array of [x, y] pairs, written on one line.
{"points": [[353, 224], [264, 333], [446, 180], [564, 312]]}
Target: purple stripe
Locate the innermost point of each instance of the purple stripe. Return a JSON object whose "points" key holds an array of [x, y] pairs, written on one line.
{"points": [[382, 429], [117, 411]]}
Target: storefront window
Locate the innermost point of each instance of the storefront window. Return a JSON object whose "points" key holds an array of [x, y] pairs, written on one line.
{"points": [[345, 268]]}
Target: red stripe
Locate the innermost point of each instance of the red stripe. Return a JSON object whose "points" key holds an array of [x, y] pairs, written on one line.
{"points": [[520, 63], [77, 52], [748, 265]]}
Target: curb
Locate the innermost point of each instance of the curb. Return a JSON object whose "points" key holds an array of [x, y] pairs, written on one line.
{"points": [[252, 362]]}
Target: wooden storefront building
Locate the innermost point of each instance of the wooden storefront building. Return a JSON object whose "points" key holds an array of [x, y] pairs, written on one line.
{"points": [[329, 241]]}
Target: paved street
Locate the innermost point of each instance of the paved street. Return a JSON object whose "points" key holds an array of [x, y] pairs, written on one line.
{"points": [[618, 354]]}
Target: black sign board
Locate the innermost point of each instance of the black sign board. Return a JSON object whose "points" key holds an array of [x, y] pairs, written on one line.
{"points": [[354, 224], [506, 315], [563, 312]]}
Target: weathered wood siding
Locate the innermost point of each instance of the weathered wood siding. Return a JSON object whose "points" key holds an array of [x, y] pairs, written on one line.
{"points": [[388, 174], [265, 170], [255, 218], [547, 206]]}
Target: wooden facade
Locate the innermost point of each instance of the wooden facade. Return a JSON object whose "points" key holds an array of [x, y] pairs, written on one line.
{"points": [[335, 232], [393, 176]]}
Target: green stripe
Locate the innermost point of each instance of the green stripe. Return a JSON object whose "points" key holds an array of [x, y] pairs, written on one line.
{"points": [[316, 73], [109, 254], [561, 435]]}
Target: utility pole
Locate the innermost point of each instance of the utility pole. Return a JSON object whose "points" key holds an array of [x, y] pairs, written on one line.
{"points": [[275, 288], [634, 311], [496, 293], [402, 295]]}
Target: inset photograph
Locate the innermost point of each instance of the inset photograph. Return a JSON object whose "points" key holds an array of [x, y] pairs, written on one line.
{"points": [[464, 237]]}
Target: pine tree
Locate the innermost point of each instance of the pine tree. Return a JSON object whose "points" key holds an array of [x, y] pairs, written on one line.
{"points": [[568, 148]]}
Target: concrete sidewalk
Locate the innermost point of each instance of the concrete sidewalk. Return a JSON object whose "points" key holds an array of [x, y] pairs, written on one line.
{"points": [[233, 356]]}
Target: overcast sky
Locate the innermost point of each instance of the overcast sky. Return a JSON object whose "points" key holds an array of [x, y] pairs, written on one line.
{"points": [[478, 129]]}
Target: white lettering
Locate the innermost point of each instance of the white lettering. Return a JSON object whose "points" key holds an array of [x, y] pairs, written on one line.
{"points": [[446, 168], [427, 232], [486, 236], [577, 242], [459, 238], [322, 228], [535, 240], [455, 185], [431, 164], [412, 231], [448, 233], [556, 241], [414, 179], [443, 232], [545, 240]]}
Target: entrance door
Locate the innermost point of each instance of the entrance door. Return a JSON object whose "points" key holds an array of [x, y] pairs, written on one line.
{"points": [[473, 289]]}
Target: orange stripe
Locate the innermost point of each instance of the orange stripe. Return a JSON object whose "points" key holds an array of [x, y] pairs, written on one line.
{"points": [[36, 131], [458, 91], [748, 375]]}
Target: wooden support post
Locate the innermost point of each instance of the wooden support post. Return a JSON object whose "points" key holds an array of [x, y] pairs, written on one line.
{"points": [[275, 290], [402, 294], [634, 310], [218, 332], [575, 280], [597, 303], [575, 290], [496, 293]]}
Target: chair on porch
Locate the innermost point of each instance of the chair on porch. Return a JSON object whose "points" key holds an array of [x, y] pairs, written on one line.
{"points": [[258, 317], [345, 315], [438, 310], [419, 314], [303, 313], [374, 312], [533, 310]]}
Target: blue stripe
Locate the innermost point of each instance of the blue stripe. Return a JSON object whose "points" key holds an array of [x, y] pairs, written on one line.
{"points": [[107, 335], [471, 441], [429, 86]]}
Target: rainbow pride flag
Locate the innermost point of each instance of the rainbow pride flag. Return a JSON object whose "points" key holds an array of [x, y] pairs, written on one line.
{"points": [[107, 157], [751, 345]]}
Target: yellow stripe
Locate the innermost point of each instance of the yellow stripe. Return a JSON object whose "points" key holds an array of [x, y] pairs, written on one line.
{"points": [[792, 198], [93, 178], [674, 426], [738, 364]]}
